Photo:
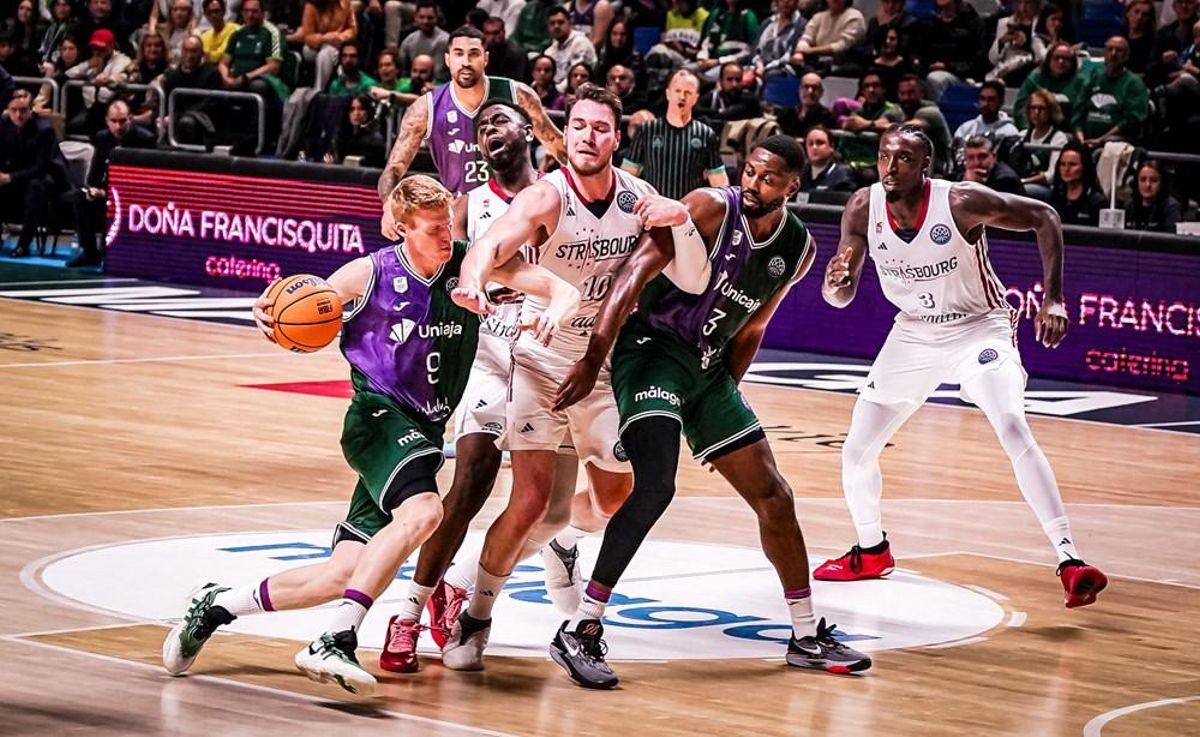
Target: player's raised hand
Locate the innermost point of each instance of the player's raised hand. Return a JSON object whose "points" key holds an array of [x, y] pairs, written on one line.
{"points": [[262, 315], [837, 271], [580, 381], [1050, 324], [475, 300], [654, 211], [387, 224]]}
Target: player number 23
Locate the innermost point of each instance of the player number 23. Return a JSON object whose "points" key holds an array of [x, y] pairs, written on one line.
{"points": [[477, 171]]}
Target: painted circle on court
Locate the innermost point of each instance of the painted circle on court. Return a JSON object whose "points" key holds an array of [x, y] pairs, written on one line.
{"points": [[677, 600]]}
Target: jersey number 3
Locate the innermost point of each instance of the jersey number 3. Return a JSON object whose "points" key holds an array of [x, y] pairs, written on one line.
{"points": [[926, 300]]}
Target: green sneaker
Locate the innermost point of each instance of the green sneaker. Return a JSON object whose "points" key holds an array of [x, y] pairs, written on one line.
{"points": [[331, 657], [185, 639]]}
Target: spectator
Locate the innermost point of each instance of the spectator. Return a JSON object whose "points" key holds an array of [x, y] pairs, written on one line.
{"points": [[890, 16], [910, 95], [427, 39], [684, 30], [545, 69], [62, 25], [1170, 41], [618, 50], [359, 135], [647, 13], [829, 36], [150, 64], [327, 25], [591, 18], [216, 39], [508, 11], [105, 68], [1153, 208], [252, 61], [729, 34], [1058, 74], [99, 16], [91, 203], [991, 121], [1045, 127], [505, 58], [7, 87], [32, 168], [728, 100], [68, 56], [351, 80], [27, 31], [1075, 193], [1139, 33], [982, 167], [799, 120], [1114, 102], [665, 152], [9, 61], [1182, 94], [181, 23], [569, 47], [951, 44], [824, 173], [533, 24], [620, 82], [874, 116], [1018, 47], [891, 64], [194, 116], [779, 37], [578, 74]]}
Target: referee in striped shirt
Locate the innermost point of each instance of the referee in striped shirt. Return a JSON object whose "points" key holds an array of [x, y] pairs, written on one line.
{"points": [[677, 154]]}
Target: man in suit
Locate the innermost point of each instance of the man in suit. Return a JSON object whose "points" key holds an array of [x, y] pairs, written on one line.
{"points": [[32, 168], [91, 205]]}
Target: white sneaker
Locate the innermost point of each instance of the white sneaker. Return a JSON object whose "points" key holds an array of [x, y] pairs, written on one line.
{"points": [[331, 657], [564, 585], [468, 640], [202, 618]]}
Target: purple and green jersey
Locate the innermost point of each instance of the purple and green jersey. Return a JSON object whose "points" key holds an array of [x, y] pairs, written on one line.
{"points": [[450, 135], [745, 276], [406, 339]]}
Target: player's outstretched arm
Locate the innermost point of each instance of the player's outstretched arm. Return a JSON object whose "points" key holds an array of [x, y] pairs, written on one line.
{"points": [[543, 127], [689, 268], [845, 267], [744, 346], [975, 205], [539, 281], [404, 150]]}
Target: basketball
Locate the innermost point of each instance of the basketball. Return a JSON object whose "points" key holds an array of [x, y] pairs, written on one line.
{"points": [[307, 312]]}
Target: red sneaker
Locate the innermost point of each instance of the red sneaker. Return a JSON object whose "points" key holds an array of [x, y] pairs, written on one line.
{"points": [[400, 651], [857, 565], [1081, 582], [444, 606]]}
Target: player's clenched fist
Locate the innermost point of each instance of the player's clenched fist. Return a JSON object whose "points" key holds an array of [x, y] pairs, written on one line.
{"points": [[837, 271]]}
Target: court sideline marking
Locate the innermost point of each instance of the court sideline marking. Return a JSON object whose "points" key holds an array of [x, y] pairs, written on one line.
{"points": [[147, 359], [1096, 724]]}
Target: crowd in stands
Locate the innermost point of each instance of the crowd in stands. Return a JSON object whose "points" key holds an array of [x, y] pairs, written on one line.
{"points": [[1033, 97]]}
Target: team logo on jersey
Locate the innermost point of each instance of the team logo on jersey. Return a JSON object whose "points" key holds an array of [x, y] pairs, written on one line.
{"points": [[451, 116], [940, 234], [658, 142], [451, 284], [737, 237], [626, 200], [402, 330], [400, 284], [494, 427], [776, 266], [988, 355], [456, 147], [695, 142], [619, 452], [878, 227]]}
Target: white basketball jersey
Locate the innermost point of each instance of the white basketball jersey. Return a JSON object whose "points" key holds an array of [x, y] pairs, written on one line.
{"points": [[939, 277], [485, 204], [586, 250]]}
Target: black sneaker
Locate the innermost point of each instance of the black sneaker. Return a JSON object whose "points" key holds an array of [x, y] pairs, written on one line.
{"points": [[823, 652], [581, 654]]}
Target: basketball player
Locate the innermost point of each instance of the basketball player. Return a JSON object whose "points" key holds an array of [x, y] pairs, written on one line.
{"points": [[585, 220], [928, 240], [503, 134], [445, 119], [410, 348], [675, 367]]}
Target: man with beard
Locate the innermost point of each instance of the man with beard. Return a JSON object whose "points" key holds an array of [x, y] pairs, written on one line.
{"points": [[445, 118], [504, 56], [928, 241], [584, 221], [675, 368]]}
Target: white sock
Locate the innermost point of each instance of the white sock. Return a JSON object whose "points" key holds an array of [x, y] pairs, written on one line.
{"points": [[488, 588], [800, 609], [589, 608], [462, 575], [350, 612], [240, 600], [1058, 530], [414, 601], [569, 537]]}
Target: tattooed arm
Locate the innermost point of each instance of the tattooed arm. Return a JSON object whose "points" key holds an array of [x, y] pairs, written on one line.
{"points": [[412, 132], [543, 127]]}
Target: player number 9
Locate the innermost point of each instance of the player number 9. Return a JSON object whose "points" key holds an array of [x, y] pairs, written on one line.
{"points": [[433, 362]]}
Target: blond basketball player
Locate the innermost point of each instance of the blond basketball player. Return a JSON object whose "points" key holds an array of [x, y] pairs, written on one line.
{"points": [[927, 239], [585, 221]]}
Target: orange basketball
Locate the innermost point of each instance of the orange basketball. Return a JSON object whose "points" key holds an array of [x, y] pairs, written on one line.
{"points": [[307, 312]]}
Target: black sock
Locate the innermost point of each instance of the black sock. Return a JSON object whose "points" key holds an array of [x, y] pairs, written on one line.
{"points": [[876, 549]]}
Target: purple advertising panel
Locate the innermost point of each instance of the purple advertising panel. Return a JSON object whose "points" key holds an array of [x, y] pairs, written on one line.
{"points": [[1135, 314], [233, 230]]}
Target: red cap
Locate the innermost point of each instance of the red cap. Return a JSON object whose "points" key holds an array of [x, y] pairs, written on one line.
{"points": [[103, 38]]}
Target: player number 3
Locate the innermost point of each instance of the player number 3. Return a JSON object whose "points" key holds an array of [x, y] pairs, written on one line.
{"points": [[926, 300]]}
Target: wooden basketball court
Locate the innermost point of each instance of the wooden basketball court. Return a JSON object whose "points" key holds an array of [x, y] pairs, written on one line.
{"points": [[122, 428]]}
